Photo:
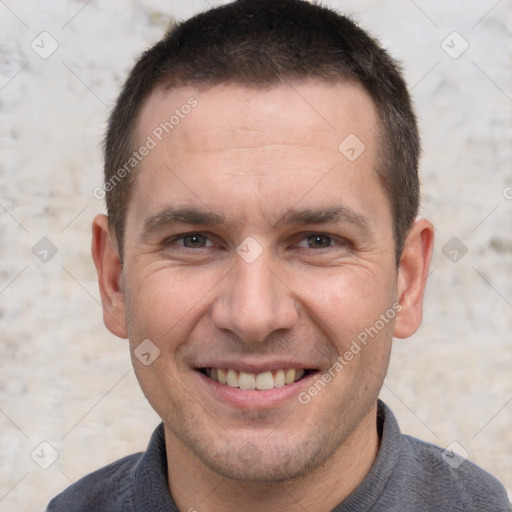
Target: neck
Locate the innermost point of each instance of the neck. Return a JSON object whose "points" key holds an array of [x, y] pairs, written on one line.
{"points": [[195, 487]]}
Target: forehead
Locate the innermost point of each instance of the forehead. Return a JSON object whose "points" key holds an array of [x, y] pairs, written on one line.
{"points": [[322, 112], [253, 144]]}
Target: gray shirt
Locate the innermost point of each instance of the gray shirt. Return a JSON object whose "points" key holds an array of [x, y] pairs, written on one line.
{"points": [[408, 475]]}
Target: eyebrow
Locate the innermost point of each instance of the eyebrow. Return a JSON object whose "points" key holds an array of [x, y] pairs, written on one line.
{"points": [[185, 215], [191, 215], [324, 216]]}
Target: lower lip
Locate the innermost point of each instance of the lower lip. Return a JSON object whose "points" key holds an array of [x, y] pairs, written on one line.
{"points": [[255, 399]]}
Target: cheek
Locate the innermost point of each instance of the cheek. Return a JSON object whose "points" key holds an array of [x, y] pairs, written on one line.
{"points": [[163, 304], [346, 301]]}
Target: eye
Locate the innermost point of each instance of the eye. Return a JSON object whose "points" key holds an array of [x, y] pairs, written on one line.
{"points": [[316, 241], [192, 241]]}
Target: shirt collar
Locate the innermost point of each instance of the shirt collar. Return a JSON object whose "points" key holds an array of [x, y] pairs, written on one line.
{"points": [[372, 487], [151, 490]]}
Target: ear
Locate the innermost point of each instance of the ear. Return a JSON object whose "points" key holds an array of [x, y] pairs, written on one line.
{"points": [[412, 277], [110, 276]]}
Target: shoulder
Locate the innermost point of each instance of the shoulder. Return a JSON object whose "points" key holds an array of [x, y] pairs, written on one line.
{"points": [[136, 482], [443, 478], [413, 475], [106, 489]]}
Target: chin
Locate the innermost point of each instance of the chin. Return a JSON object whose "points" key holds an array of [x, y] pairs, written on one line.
{"points": [[261, 461]]}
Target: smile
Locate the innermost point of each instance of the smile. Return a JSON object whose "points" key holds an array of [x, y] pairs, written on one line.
{"points": [[260, 381]]}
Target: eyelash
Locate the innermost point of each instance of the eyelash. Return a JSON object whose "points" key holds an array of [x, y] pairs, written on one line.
{"points": [[334, 240]]}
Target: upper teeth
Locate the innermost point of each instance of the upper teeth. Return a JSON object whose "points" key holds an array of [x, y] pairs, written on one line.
{"points": [[261, 381]]}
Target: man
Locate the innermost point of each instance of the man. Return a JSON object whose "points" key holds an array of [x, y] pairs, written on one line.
{"points": [[260, 252]]}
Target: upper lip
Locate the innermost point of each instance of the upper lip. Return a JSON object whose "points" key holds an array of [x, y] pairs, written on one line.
{"points": [[256, 367]]}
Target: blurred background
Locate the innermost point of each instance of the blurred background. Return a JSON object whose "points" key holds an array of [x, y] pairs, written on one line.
{"points": [[69, 400]]}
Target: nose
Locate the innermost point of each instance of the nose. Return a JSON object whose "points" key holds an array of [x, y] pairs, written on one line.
{"points": [[253, 301]]}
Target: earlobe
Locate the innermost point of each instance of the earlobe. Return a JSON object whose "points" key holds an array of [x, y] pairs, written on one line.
{"points": [[110, 276], [412, 277]]}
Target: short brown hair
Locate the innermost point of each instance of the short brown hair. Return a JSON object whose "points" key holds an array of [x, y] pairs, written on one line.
{"points": [[263, 42]]}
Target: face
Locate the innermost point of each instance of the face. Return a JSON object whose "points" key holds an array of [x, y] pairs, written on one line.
{"points": [[257, 252]]}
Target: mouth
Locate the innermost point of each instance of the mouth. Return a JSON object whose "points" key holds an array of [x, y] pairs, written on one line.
{"points": [[263, 381]]}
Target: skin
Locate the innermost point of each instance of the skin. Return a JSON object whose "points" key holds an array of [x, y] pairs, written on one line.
{"points": [[251, 155]]}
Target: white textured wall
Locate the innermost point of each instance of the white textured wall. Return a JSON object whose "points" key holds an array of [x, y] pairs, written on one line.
{"points": [[66, 380]]}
